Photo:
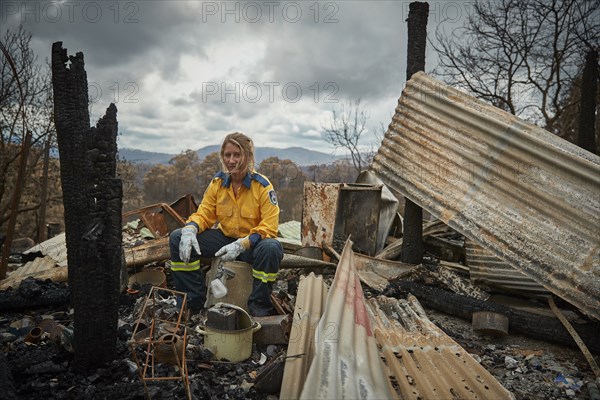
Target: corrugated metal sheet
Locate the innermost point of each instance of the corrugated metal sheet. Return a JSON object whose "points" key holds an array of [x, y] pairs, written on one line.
{"points": [[310, 303], [485, 268], [55, 248], [290, 230], [289, 236], [33, 267], [424, 362], [376, 272], [346, 362], [523, 193], [42, 267]]}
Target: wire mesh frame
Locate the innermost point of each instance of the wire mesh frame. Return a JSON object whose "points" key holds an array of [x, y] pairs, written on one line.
{"points": [[152, 341]]}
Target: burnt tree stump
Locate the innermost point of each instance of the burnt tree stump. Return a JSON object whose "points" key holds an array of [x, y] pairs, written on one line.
{"points": [[92, 197], [412, 244]]}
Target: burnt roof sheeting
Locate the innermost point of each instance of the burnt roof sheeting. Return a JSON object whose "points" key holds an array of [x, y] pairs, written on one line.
{"points": [[310, 303], [55, 248], [424, 362], [525, 194], [346, 363], [485, 268]]}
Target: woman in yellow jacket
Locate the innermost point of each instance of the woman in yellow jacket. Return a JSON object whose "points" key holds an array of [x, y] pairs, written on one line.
{"points": [[244, 204]]}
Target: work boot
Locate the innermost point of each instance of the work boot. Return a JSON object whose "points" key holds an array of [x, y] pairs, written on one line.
{"points": [[259, 302]]}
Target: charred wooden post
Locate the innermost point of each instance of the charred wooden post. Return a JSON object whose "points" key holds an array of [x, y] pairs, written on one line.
{"points": [[41, 233], [92, 199], [587, 117], [412, 243]]}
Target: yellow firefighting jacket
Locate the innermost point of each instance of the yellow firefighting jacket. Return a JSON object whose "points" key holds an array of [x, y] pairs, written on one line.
{"points": [[254, 212]]}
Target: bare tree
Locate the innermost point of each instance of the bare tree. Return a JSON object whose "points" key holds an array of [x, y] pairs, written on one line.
{"points": [[520, 55], [31, 97], [345, 129]]}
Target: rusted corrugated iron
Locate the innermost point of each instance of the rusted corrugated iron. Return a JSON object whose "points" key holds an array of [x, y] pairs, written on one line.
{"points": [[422, 360], [160, 218], [523, 193], [185, 206], [485, 268], [346, 363], [310, 303]]}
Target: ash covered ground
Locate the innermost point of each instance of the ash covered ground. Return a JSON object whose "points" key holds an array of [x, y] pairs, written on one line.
{"points": [[530, 369]]}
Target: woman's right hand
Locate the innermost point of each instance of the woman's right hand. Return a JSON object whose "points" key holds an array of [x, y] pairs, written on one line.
{"points": [[188, 240]]}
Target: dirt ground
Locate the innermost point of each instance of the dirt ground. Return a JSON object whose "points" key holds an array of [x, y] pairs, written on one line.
{"points": [[529, 368]]}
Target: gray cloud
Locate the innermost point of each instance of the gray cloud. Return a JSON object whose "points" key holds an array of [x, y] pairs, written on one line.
{"points": [[184, 73]]}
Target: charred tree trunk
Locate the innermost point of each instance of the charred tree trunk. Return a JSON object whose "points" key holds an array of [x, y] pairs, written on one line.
{"points": [[92, 199], [587, 118], [412, 242], [41, 234]]}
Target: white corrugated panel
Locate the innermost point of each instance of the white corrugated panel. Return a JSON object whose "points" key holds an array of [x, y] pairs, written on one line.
{"points": [[346, 363], [310, 303], [34, 267], [290, 230], [55, 248], [523, 193]]}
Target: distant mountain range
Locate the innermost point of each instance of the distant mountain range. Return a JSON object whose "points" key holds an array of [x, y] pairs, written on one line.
{"points": [[299, 155]]}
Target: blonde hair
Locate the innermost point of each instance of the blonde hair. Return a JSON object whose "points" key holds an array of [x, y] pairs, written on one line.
{"points": [[246, 147]]}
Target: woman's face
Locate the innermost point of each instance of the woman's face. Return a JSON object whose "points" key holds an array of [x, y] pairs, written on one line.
{"points": [[232, 156]]}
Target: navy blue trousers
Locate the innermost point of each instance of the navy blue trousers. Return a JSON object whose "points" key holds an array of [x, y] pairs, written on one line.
{"points": [[265, 258]]}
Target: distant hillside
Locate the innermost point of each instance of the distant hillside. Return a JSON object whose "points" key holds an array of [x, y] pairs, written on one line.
{"points": [[299, 155], [140, 156]]}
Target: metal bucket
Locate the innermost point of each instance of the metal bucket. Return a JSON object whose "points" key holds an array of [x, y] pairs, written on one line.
{"points": [[154, 277], [233, 345]]}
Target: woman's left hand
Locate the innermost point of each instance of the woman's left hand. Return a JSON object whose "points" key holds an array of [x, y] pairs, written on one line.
{"points": [[231, 251]]}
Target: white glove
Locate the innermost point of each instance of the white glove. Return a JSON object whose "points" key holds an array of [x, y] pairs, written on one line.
{"points": [[231, 251], [188, 240]]}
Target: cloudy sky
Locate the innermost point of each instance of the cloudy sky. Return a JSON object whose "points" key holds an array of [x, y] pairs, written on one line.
{"points": [[185, 73]]}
